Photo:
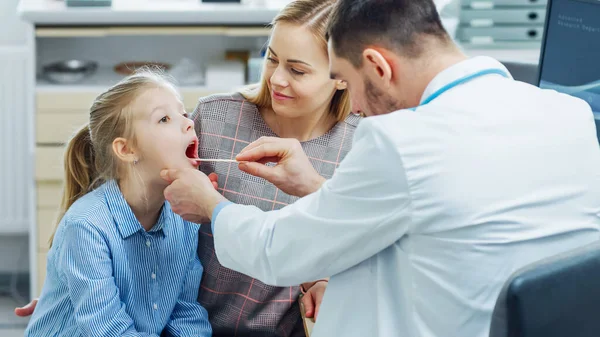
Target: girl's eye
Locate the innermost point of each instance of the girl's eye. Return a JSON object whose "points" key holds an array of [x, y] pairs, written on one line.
{"points": [[296, 72], [186, 115], [271, 60], [164, 119]]}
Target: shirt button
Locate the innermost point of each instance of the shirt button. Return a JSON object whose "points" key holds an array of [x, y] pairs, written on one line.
{"points": [[148, 243], [153, 276], [155, 306]]}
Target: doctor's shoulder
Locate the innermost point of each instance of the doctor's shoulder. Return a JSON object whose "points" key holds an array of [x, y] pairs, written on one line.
{"points": [[574, 105]]}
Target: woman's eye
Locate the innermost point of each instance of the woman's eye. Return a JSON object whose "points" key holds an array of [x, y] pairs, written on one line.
{"points": [[164, 119], [271, 60], [296, 72]]}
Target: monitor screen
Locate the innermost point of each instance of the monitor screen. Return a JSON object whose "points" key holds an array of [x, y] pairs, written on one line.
{"points": [[570, 57]]}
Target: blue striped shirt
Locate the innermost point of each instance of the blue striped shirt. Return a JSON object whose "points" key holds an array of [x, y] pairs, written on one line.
{"points": [[107, 276]]}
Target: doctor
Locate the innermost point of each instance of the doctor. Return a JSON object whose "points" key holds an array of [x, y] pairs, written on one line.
{"points": [[458, 177]]}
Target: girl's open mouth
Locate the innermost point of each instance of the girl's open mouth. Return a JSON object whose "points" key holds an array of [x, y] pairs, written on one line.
{"points": [[191, 152]]}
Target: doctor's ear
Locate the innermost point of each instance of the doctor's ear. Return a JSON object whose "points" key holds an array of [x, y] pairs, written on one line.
{"points": [[341, 85], [378, 64]]}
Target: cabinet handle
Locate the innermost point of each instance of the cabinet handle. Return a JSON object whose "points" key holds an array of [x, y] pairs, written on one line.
{"points": [[532, 16], [532, 33]]}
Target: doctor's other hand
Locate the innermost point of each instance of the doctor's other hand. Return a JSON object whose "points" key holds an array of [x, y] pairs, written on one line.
{"points": [[191, 194], [26, 310], [293, 172]]}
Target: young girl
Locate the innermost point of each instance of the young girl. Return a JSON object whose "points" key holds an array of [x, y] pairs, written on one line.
{"points": [[122, 263]]}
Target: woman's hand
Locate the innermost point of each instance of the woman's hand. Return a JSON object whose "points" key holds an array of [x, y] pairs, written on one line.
{"points": [[313, 297], [26, 310]]}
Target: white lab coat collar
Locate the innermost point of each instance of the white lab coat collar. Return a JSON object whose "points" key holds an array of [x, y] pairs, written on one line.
{"points": [[460, 70]]}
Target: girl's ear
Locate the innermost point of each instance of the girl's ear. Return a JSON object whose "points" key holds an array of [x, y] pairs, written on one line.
{"points": [[123, 151], [341, 85]]}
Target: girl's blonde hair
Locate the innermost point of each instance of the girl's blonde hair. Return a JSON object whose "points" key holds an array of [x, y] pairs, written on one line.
{"points": [[89, 159], [314, 15]]}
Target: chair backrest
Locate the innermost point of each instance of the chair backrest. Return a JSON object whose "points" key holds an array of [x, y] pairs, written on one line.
{"points": [[555, 297]]}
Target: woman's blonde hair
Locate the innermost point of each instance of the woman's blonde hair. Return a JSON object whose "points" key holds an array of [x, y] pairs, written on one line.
{"points": [[89, 159], [314, 15]]}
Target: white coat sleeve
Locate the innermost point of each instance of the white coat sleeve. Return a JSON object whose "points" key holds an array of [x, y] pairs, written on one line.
{"points": [[364, 208]]}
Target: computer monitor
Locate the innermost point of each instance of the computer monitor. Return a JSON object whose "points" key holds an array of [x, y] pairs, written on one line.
{"points": [[570, 55]]}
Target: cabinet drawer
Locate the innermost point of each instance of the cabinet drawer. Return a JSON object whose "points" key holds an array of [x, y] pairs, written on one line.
{"points": [[483, 4], [65, 101], [491, 34], [49, 195], [490, 17], [46, 222], [58, 127], [49, 163]]}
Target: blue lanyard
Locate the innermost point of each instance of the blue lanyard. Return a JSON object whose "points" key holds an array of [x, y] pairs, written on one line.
{"points": [[461, 81]]}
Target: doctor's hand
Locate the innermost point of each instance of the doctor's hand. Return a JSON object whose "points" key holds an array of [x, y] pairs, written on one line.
{"points": [[293, 172], [191, 194]]}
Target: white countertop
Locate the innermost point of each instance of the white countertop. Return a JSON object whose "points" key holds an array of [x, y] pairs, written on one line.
{"points": [[146, 12]]}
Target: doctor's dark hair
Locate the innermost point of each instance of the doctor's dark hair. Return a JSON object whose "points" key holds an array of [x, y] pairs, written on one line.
{"points": [[89, 158], [397, 25], [314, 15]]}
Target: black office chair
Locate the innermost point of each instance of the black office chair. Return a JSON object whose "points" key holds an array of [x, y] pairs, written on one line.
{"points": [[556, 297]]}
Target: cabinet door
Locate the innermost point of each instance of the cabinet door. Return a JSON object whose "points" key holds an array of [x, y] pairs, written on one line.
{"points": [[56, 128], [49, 163]]}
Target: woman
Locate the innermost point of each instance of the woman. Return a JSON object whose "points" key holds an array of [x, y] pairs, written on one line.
{"points": [[295, 99]]}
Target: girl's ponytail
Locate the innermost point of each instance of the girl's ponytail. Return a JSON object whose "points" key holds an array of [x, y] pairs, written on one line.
{"points": [[80, 170]]}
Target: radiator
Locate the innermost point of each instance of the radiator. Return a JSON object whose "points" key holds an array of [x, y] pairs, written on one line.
{"points": [[16, 141]]}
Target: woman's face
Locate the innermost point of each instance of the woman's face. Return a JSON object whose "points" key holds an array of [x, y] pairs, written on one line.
{"points": [[297, 72]]}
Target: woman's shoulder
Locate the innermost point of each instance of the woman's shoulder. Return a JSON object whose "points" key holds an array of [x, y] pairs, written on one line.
{"points": [[346, 127], [222, 97], [217, 106], [222, 100], [352, 120]]}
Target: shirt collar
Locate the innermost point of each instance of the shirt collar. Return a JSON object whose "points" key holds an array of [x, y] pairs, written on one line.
{"points": [[126, 222], [460, 70]]}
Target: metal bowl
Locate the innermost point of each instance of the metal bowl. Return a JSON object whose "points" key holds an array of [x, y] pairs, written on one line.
{"points": [[69, 71]]}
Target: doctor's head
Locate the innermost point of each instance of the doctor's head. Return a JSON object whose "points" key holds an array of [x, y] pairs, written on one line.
{"points": [[295, 79], [387, 51]]}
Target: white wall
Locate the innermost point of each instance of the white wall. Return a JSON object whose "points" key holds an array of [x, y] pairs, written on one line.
{"points": [[14, 254], [16, 42]]}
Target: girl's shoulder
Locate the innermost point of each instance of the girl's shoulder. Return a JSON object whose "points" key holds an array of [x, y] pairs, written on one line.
{"points": [[90, 211], [89, 207]]}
